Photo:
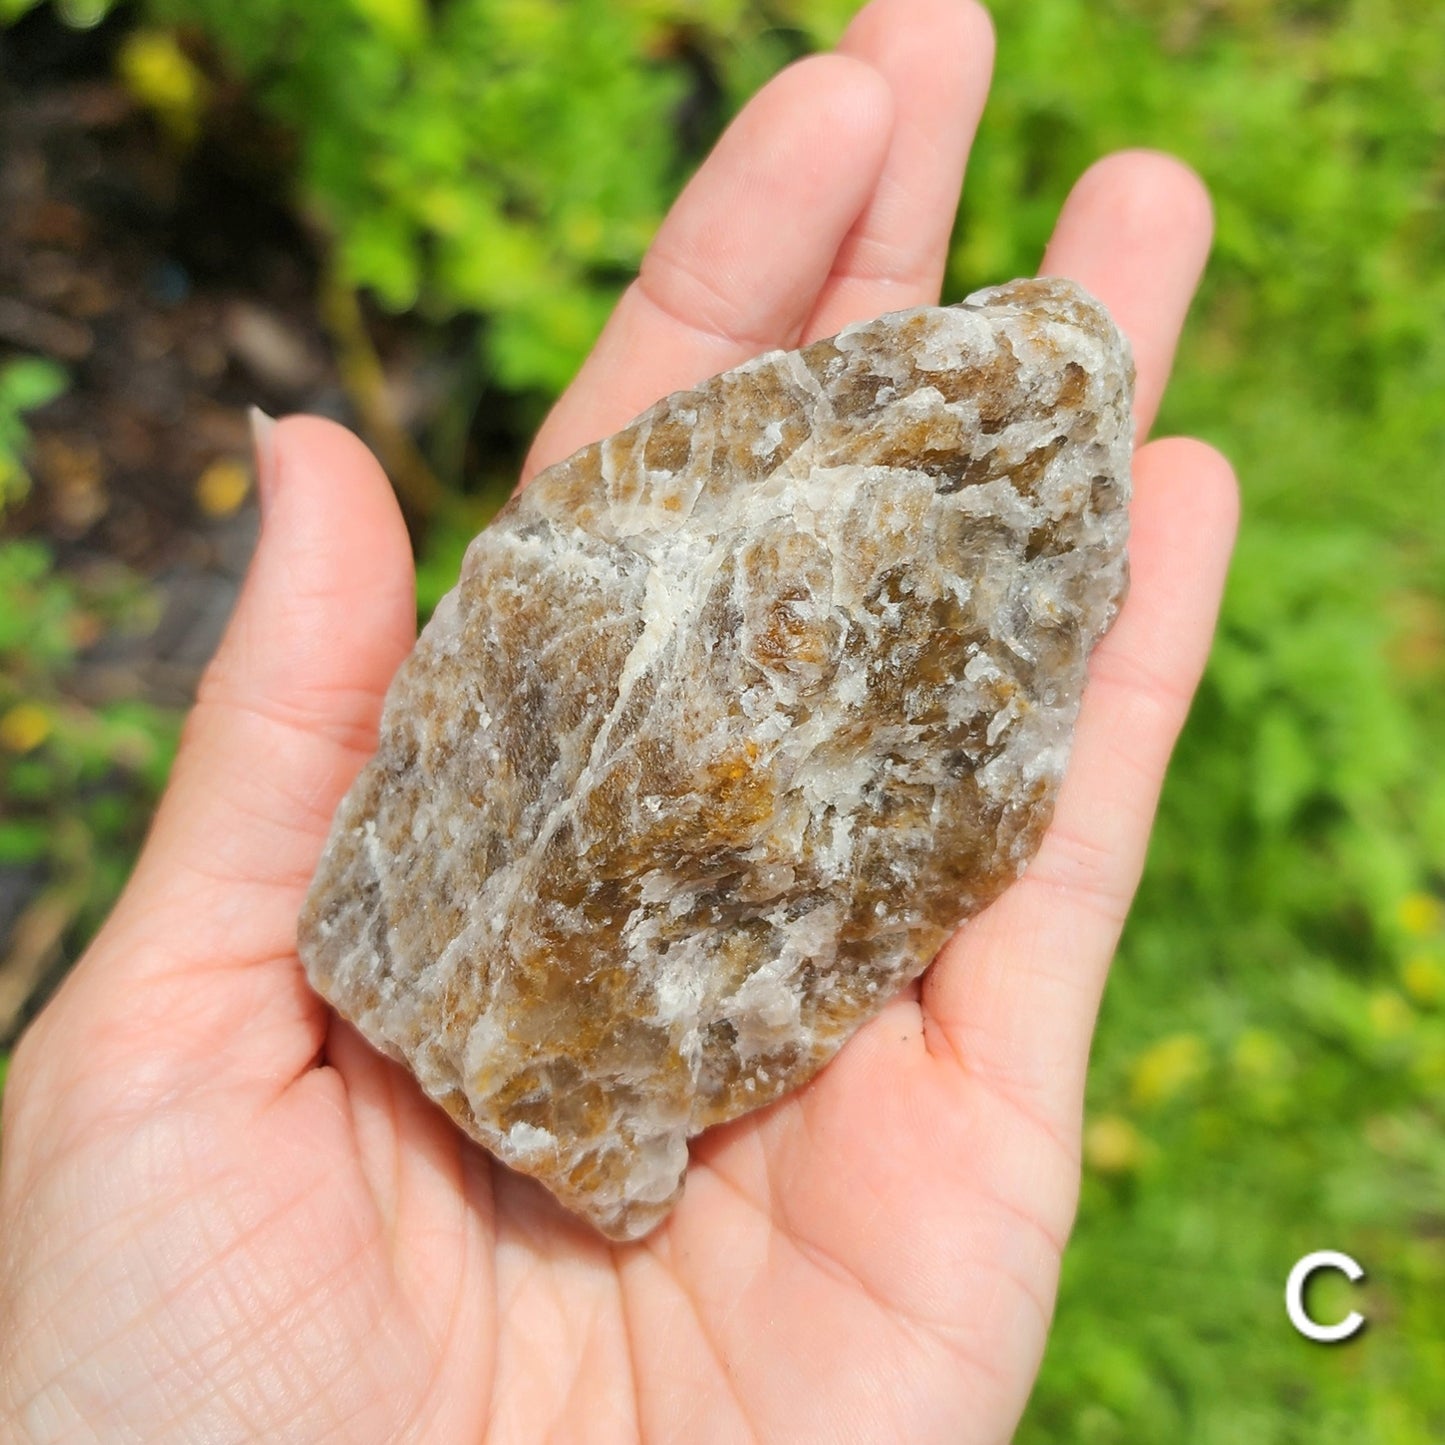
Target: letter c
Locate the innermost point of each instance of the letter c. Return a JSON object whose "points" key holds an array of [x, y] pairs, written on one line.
{"points": [[1294, 1290]]}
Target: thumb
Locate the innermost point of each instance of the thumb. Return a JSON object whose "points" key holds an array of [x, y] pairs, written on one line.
{"points": [[194, 978], [287, 711]]}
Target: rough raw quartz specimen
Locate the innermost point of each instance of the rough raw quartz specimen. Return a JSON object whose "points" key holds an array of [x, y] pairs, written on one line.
{"points": [[731, 718]]}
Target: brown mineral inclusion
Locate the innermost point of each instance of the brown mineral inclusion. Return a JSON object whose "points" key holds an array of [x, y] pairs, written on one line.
{"points": [[730, 720]]}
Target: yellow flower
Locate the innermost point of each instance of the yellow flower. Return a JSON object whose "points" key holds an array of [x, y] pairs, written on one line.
{"points": [[222, 488], [160, 75], [1112, 1145], [1420, 915], [1167, 1068], [24, 727], [1424, 979]]}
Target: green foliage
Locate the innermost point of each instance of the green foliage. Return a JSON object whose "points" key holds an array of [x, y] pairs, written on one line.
{"points": [[25, 385], [508, 157], [80, 13], [77, 778], [1284, 930]]}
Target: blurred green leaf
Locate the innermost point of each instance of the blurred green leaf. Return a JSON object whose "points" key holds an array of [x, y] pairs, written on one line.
{"points": [[29, 383], [26, 384], [22, 842]]}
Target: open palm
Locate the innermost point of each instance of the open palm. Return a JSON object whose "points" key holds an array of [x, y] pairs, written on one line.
{"points": [[223, 1217]]}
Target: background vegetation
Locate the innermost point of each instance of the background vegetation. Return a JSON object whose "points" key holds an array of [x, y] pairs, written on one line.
{"points": [[1270, 1069]]}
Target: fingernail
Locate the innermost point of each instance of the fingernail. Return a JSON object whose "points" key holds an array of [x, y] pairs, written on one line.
{"points": [[263, 441]]}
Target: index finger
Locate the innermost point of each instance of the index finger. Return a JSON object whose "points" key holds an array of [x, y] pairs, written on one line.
{"points": [[937, 57]]}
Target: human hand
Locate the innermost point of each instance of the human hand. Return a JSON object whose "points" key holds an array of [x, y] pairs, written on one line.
{"points": [[223, 1217]]}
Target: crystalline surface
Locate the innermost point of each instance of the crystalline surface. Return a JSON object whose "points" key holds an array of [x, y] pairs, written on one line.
{"points": [[730, 720]]}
